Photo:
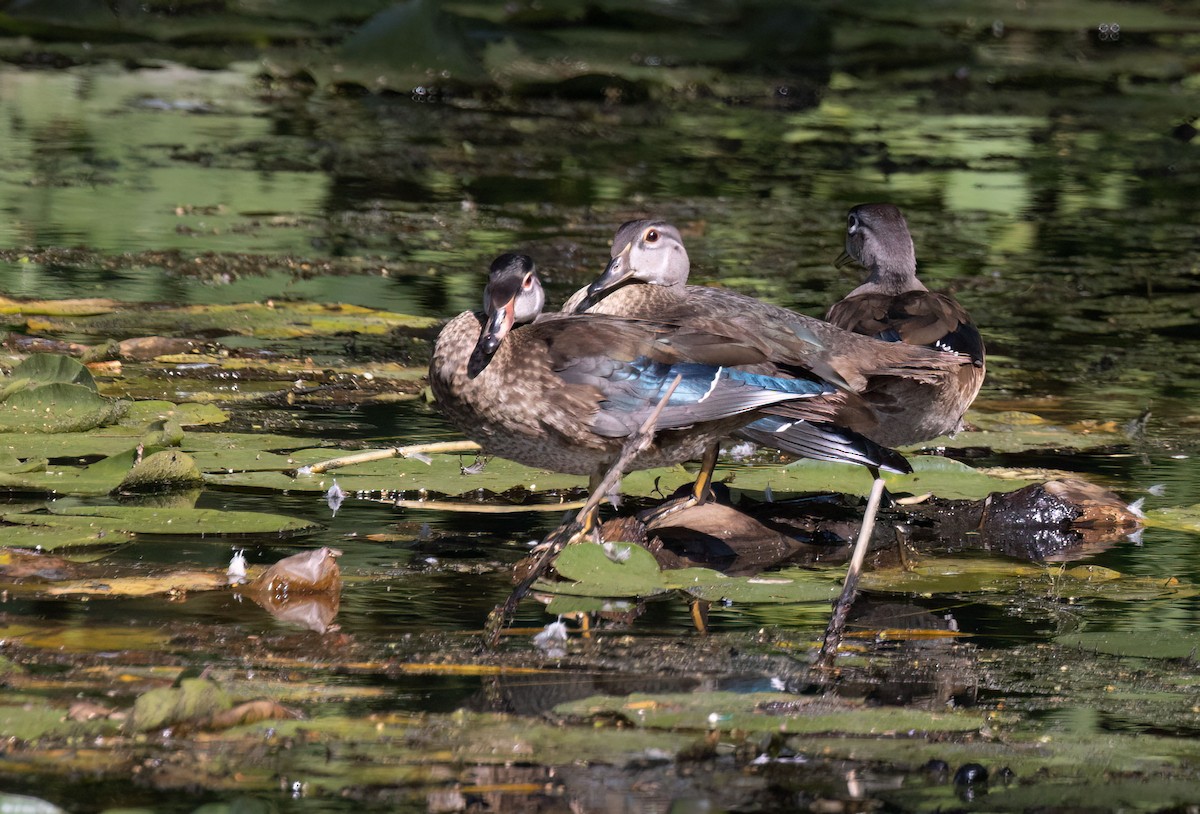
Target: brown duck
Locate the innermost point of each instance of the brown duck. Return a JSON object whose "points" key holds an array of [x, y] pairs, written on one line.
{"points": [[902, 385], [565, 392], [893, 305]]}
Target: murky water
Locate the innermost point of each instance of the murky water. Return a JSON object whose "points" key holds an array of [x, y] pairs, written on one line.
{"points": [[1043, 174]]}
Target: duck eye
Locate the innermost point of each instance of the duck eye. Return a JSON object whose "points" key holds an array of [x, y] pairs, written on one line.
{"points": [[852, 223], [651, 236]]}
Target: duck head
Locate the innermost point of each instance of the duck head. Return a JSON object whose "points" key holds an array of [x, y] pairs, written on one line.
{"points": [[513, 296], [877, 238], [643, 251]]}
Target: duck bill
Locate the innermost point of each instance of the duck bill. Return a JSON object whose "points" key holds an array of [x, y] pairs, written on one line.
{"points": [[615, 274], [497, 328]]}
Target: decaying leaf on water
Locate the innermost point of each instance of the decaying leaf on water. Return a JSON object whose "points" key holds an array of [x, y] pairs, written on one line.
{"points": [[199, 703], [303, 589]]}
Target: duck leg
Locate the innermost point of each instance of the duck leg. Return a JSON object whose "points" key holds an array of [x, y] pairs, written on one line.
{"points": [[841, 608], [701, 490]]}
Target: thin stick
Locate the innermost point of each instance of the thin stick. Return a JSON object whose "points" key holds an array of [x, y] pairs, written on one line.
{"points": [[481, 508], [556, 540], [841, 608], [383, 454]]}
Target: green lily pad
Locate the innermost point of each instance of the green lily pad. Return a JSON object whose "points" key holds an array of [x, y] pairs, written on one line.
{"points": [[285, 320], [989, 575], [198, 522], [58, 407], [194, 699], [1179, 518], [99, 478], [1018, 432], [787, 586], [767, 712], [47, 368], [187, 414], [618, 569], [109, 440], [46, 538], [944, 477], [168, 470], [1141, 643]]}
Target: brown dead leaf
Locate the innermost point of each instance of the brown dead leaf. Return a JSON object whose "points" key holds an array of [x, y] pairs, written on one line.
{"points": [[250, 712], [88, 711], [145, 348], [310, 572]]}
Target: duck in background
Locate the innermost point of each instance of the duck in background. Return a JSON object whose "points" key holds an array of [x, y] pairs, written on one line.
{"points": [[894, 306]]}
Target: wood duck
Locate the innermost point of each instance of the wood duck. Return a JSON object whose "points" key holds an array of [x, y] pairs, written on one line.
{"points": [[911, 392], [565, 392], [893, 305]]}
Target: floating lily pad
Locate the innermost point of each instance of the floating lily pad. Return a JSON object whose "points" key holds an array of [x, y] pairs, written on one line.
{"points": [[193, 700], [176, 583], [989, 575], [1149, 644], [618, 569], [167, 470], [61, 308], [198, 522], [787, 586], [1018, 431], [46, 538], [99, 478], [187, 414], [286, 320], [1179, 518], [767, 712], [47, 368], [58, 407]]}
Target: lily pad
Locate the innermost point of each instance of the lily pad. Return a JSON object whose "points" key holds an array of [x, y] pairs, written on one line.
{"points": [[618, 569], [1179, 518], [1148, 644], [187, 414], [46, 538], [193, 700], [787, 586], [47, 368], [989, 575], [287, 320], [198, 522], [177, 583], [58, 407], [767, 712], [99, 478], [167, 470]]}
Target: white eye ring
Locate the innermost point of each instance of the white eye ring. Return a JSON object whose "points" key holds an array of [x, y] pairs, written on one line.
{"points": [[852, 224]]}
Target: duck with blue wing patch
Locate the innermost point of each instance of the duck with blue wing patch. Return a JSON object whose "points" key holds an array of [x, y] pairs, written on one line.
{"points": [[564, 392]]}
